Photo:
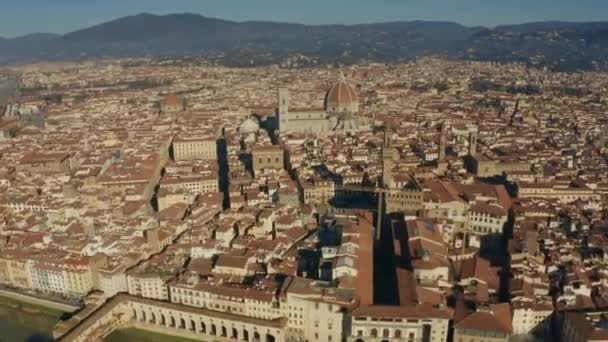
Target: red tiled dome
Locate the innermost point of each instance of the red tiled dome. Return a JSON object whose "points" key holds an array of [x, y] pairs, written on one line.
{"points": [[172, 100], [340, 97]]}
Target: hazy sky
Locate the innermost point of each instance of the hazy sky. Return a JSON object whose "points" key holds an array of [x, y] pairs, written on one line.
{"points": [[18, 17]]}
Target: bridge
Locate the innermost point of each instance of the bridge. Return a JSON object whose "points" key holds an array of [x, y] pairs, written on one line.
{"points": [[124, 310]]}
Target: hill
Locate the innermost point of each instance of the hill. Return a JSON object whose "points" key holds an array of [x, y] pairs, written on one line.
{"points": [[558, 45]]}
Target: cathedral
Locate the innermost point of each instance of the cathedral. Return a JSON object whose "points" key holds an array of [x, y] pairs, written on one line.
{"points": [[340, 113]]}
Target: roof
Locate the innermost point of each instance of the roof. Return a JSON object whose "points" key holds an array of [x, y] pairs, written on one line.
{"points": [[340, 95], [365, 257], [172, 100], [495, 317], [480, 269], [234, 261], [424, 310]]}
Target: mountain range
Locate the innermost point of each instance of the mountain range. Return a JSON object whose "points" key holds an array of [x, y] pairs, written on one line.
{"points": [[557, 45]]}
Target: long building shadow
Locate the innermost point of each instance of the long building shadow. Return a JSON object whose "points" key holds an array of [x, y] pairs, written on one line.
{"points": [[386, 290], [222, 159]]}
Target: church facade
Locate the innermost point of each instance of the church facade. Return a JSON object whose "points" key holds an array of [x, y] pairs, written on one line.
{"points": [[340, 113]]}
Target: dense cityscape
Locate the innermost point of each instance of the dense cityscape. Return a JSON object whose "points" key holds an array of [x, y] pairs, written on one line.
{"points": [[426, 201]]}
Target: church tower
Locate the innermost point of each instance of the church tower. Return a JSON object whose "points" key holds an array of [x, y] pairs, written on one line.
{"points": [[283, 109], [387, 160]]}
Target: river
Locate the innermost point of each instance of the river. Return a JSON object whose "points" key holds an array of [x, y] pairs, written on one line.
{"points": [[24, 322]]}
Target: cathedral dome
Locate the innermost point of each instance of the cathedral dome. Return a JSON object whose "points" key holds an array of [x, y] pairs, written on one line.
{"points": [[341, 98]]}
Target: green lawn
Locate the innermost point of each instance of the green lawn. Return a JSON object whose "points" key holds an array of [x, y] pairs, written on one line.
{"points": [[132, 334]]}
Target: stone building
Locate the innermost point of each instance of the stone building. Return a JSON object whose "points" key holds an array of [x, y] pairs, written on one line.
{"points": [[195, 147], [399, 323], [268, 157], [485, 323]]}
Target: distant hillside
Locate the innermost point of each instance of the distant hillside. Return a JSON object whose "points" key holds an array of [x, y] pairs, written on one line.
{"points": [[559, 45]]}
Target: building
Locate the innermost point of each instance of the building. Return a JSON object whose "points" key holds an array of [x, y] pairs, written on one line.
{"points": [[149, 285], [45, 162], [268, 157], [340, 112], [149, 279], [15, 270], [317, 190], [70, 276], [399, 323], [195, 147], [490, 323], [113, 280], [476, 208], [428, 251], [174, 319], [315, 312], [172, 104], [566, 193], [584, 326], [193, 183], [531, 316]]}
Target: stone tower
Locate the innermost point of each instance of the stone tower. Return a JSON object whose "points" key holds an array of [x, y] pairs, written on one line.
{"points": [[442, 141], [473, 143], [283, 109], [387, 160]]}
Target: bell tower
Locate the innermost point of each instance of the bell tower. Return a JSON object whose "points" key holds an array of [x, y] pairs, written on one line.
{"points": [[442, 141], [283, 109], [387, 160], [473, 143]]}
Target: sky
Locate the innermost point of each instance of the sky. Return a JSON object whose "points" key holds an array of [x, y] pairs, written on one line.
{"points": [[19, 17]]}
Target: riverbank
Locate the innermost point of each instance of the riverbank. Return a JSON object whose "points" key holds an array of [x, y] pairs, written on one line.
{"points": [[36, 301], [30, 308], [134, 334]]}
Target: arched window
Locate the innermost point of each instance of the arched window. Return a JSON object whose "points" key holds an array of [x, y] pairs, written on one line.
{"points": [[374, 332]]}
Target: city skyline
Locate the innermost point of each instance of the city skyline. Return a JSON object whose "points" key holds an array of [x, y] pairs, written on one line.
{"points": [[22, 18], [281, 171]]}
